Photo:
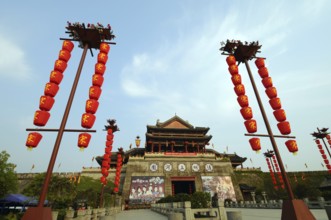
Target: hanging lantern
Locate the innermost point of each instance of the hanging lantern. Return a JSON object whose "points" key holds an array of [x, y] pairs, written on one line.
{"points": [[83, 140], [243, 101], [100, 68], [291, 146], [33, 140], [97, 80], [263, 72], [46, 103], [320, 146], [233, 69], [326, 161], [115, 189], [317, 141], [251, 126], [64, 55], [104, 172], [236, 79], [322, 151], [102, 58], [56, 77], [255, 144], [239, 89], [275, 103], [105, 164], [271, 92], [284, 127], [110, 132], [109, 144], [231, 60], [247, 113], [104, 47], [60, 65], [95, 92], [88, 120], [329, 141], [103, 179], [51, 89], [328, 166], [324, 157], [67, 45], [107, 150], [267, 82], [91, 106], [328, 137], [110, 137], [259, 62], [280, 115], [106, 157], [41, 118]]}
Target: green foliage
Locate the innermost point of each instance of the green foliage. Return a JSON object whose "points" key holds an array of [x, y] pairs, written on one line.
{"points": [[197, 199], [8, 178], [61, 191]]}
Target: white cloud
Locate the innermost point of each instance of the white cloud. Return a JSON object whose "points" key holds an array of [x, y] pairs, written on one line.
{"points": [[12, 60]]}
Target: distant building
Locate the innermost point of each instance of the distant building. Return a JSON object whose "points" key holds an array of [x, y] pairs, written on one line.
{"points": [[174, 160]]}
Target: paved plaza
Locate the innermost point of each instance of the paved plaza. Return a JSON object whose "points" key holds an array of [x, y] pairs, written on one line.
{"points": [[247, 214]]}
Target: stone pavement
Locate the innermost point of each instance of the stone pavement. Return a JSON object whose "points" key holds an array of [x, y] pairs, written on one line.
{"points": [[263, 214], [247, 214]]}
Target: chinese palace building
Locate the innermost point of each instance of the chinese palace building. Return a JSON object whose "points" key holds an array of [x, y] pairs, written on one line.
{"points": [[175, 159]]}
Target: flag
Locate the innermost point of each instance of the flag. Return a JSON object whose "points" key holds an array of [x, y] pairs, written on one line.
{"points": [[322, 164], [78, 181], [306, 165], [212, 145], [32, 167], [92, 159]]}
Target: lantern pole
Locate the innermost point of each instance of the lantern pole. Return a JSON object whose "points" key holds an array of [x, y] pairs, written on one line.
{"points": [[270, 134], [321, 135]]}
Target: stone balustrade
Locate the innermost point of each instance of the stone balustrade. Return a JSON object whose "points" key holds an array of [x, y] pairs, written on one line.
{"points": [[92, 214]]}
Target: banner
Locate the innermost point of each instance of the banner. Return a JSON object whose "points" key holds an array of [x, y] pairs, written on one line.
{"points": [[146, 189], [222, 185]]}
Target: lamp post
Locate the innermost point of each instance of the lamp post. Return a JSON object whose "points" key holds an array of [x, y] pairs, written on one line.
{"points": [[292, 209], [137, 141], [264, 194]]}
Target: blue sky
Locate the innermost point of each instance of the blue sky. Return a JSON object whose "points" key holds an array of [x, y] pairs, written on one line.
{"points": [[166, 62]]}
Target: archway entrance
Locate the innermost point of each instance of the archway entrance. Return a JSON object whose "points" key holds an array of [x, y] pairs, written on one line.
{"points": [[183, 185]]}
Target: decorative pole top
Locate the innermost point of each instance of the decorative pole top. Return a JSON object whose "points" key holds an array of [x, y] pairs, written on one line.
{"points": [[240, 50]]}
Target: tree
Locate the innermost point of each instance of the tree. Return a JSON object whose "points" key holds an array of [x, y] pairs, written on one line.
{"points": [[8, 178], [61, 191]]}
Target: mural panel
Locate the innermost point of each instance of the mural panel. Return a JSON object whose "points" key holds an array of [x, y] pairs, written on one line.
{"points": [[222, 185], [146, 189]]}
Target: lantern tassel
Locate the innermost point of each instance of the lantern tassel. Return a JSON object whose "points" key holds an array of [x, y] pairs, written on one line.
{"points": [[81, 149], [295, 153], [258, 151], [29, 148]]}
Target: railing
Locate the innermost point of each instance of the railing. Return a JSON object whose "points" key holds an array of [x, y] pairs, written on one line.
{"points": [[277, 204], [91, 214], [187, 213]]}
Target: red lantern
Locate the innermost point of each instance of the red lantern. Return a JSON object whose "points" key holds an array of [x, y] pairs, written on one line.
{"points": [[104, 47], [106, 157], [328, 137], [97, 80], [267, 82], [41, 118], [231, 60], [259, 62], [236, 79], [255, 144], [116, 189], [105, 163], [107, 150], [263, 72], [110, 132], [110, 137], [56, 77], [271, 92], [95, 92], [88, 120], [109, 144], [291, 146], [67, 45], [328, 166], [247, 113], [317, 141], [329, 141], [243, 101], [46, 103], [102, 58], [103, 179], [280, 115], [100, 68], [51, 89], [326, 161], [324, 156], [64, 55], [84, 140], [284, 127], [104, 172], [320, 146], [322, 151], [275, 103], [60, 65], [91, 106], [239, 89], [233, 69], [251, 126], [33, 139]]}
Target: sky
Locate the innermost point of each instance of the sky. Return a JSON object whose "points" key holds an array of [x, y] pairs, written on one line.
{"points": [[166, 62]]}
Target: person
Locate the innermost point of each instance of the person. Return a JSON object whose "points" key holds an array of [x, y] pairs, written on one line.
{"points": [[214, 200]]}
